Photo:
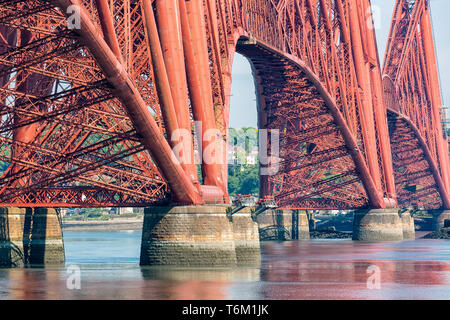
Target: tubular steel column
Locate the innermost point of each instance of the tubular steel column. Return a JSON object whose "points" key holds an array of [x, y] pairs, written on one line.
{"points": [[379, 106], [361, 68], [194, 85], [169, 30], [159, 69], [430, 58]]}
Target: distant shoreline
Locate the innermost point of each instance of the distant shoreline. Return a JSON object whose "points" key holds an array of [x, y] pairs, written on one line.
{"points": [[134, 223]]}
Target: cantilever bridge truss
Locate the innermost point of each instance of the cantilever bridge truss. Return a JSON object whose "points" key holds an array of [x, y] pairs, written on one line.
{"points": [[92, 90]]}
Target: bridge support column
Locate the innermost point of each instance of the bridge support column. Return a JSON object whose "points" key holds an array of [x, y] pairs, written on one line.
{"points": [[198, 236], [439, 219], [283, 224], [30, 236], [377, 225], [409, 231]]}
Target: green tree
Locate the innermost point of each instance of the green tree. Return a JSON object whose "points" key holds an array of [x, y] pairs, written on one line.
{"points": [[243, 180]]}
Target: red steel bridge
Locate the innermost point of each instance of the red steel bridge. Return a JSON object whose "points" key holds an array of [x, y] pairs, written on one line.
{"points": [[91, 92]]}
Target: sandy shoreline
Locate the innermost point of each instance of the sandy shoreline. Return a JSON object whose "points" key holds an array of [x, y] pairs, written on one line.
{"points": [[113, 224]]}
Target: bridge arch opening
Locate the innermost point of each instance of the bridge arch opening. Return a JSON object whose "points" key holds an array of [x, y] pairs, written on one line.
{"points": [[243, 156]]}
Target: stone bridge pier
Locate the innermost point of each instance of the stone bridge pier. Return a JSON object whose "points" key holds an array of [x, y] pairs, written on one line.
{"points": [[199, 236], [30, 236], [283, 224], [207, 235]]}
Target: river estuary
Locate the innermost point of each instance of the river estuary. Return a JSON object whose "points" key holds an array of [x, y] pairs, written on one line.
{"points": [[108, 267]]}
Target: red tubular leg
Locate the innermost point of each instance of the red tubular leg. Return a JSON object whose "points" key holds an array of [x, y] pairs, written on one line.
{"points": [[380, 108], [159, 69], [194, 8]]}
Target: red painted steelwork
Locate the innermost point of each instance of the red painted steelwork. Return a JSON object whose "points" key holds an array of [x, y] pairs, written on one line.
{"points": [[107, 25], [126, 91], [411, 89], [88, 114]]}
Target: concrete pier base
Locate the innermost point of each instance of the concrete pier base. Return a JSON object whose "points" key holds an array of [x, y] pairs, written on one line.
{"points": [[303, 225], [198, 236], [409, 232], [439, 219], [283, 224], [377, 225], [30, 236]]}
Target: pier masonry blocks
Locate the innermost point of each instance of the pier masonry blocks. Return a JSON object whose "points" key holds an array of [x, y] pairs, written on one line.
{"points": [[409, 231], [30, 236], [439, 219], [198, 236], [246, 238], [383, 225]]}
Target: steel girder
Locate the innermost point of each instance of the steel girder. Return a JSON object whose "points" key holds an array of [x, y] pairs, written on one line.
{"points": [[87, 113], [62, 127]]}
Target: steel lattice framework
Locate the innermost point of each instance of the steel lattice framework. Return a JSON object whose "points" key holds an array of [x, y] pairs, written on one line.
{"points": [[411, 85], [92, 92]]}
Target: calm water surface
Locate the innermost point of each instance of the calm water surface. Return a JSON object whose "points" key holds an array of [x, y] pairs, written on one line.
{"points": [[314, 269]]}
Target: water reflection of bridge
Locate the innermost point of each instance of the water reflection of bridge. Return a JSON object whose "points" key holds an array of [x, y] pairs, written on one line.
{"points": [[318, 270]]}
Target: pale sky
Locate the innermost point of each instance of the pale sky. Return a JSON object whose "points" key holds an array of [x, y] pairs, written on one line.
{"points": [[243, 100]]}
